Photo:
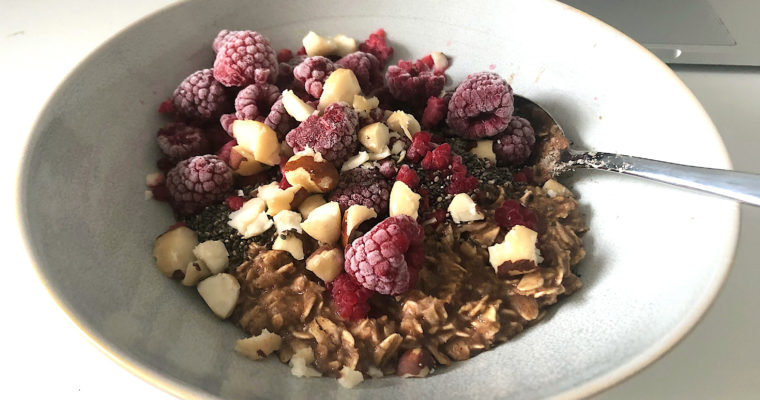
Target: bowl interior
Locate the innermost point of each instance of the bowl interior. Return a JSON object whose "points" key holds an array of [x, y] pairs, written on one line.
{"points": [[655, 257]]}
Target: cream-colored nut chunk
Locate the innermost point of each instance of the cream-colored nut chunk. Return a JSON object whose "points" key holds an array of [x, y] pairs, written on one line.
{"points": [[317, 45], [355, 161], [310, 170], [326, 262], [213, 254], [250, 220], [402, 122], [344, 45], [554, 189], [299, 363], [242, 162], [287, 221], [374, 137], [258, 139], [484, 149], [440, 61], [308, 205], [362, 103], [286, 199], [352, 218], [297, 108], [463, 209], [195, 272], [349, 377], [341, 85], [519, 244], [323, 223], [291, 244], [403, 200], [260, 346], [220, 292], [384, 153], [173, 251], [154, 179]]}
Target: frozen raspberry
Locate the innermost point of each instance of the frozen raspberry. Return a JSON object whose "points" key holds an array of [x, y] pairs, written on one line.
{"points": [[387, 168], [312, 73], [160, 192], [234, 202], [366, 67], [243, 58], [279, 120], [364, 187], [481, 106], [198, 182], [408, 176], [461, 182], [435, 111], [514, 146], [216, 136], [414, 83], [381, 259], [377, 45], [200, 96], [513, 213], [333, 134], [219, 39], [166, 106], [255, 101], [351, 299], [179, 141], [224, 152], [301, 51], [420, 146], [284, 55], [525, 175], [284, 184], [438, 159]]}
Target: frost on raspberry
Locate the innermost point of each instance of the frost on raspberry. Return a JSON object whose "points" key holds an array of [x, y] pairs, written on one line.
{"points": [[179, 141], [333, 134], [513, 213], [312, 73], [414, 83], [198, 182], [260, 102], [243, 58], [481, 106], [386, 258], [200, 97], [367, 69], [351, 299], [514, 146], [362, 186], [377, 45]]}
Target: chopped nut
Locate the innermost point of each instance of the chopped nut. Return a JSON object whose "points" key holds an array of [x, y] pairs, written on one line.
{"points": [[258, 139], [195, 272], [220, 292], [286, 199], [287, 221], [154, 179], [463, 209], [310, 170], [299, 363], [484, 149], [352, 218], [308, 205], [355, 161], [374, 137], [291, 244], [440, 61], [250, 220], [403, 200], [297, 108], [341, 85], [260, 346], [324, 223], [384, 153], [415, 363], [344, 45], [326, 262], [213, 254], [173, 251], [402, 122], [362, 103], [519, 244], [554, 189], [317, 45], [349, 377]]}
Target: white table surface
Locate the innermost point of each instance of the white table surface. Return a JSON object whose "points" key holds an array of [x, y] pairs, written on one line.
{"points": [[44, 355]]}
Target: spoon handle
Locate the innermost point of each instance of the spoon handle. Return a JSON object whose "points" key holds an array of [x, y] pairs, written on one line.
{"points": [[740, 186]]}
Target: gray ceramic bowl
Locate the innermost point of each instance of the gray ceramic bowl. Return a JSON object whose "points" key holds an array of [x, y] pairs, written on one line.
{"points": [[657, 255]]}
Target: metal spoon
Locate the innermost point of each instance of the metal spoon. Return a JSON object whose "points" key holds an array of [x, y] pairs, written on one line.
{"points": [[741, 186]]}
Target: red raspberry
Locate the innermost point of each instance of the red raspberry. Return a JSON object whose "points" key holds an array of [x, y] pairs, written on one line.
{"points": [[439, 159], [434, 112], [284, 55], [408, 176], [414, 83], [351, 298], [179, 141], [382, 259], [198, 182], [234, 202], [438, 215], [312, 73], [362, 186], [420, 146], [284, 184], [260, 102], [513, 213], [366, 67], [243, 58], [224, 152], [200, 96], [301, 51], [166, 106], [333, 134], [377, 45], [524, 175], [481, 106], [460, 181], [514, 146], [219, 39], [279, 119]]}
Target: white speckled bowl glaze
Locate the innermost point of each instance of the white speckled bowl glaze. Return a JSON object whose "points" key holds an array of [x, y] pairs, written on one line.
{"points": [[656, 255]]}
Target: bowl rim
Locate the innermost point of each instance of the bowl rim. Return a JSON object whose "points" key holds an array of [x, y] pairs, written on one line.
{"points": [[180, 389]]}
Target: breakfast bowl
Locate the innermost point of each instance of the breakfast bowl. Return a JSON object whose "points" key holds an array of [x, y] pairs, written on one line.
{"points": [[656, 255]]}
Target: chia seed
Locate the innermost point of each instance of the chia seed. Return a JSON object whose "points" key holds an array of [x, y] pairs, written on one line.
{"points": [[211, 224]]}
